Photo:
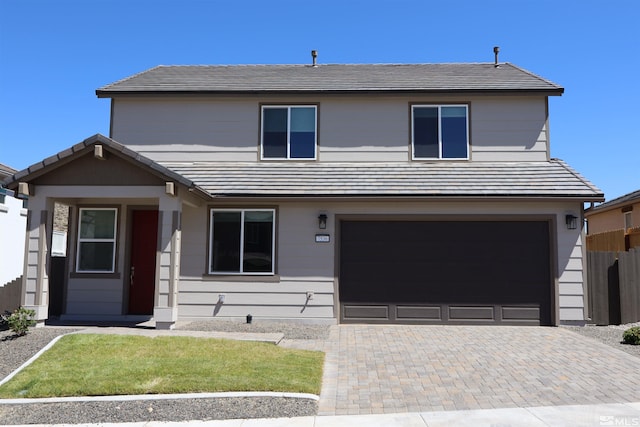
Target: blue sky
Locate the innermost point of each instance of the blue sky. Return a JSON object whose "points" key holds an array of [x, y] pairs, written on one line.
{"points": [[54, 54]]}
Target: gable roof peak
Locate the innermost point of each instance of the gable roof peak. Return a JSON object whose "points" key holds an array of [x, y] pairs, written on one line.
{"points": [[83, 147]]}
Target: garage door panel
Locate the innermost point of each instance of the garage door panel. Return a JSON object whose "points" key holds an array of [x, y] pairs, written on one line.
{"points": [[447, 271], [438, 314], [520, 313], [471, 313], [362, 289], [366, 312], [431, 312]]}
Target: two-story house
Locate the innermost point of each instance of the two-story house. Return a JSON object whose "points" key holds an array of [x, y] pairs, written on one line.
{"points": [[408, 193]]}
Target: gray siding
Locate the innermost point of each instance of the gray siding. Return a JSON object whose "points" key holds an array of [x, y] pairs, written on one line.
{"points": [[571, 296], [350, 128], [94, 297], [356, 130], [188, 129], [303, 265], [509, 129]]}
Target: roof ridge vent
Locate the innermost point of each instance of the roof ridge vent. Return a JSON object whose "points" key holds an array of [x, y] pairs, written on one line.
{"points": [[496, 50], [314, 57]]}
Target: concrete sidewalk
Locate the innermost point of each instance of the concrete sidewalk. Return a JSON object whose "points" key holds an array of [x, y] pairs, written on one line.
{"points": [[617, 414]]}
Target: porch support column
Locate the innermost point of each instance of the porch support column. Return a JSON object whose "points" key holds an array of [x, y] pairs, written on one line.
{"points": [[35, 282], [165, 311]]}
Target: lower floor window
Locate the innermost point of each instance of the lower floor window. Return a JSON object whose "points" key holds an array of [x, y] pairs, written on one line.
{"points": [[241, 241], [96, 252]]}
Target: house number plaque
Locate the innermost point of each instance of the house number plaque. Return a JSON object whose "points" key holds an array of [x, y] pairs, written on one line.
{"points": [[323, 238]]}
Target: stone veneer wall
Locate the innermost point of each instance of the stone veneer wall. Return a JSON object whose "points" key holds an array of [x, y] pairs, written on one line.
{"points": [[61, 217]]}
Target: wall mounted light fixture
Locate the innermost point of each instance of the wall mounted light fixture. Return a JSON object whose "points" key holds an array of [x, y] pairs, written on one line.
{"points": [[322, 221], [571, 221]]}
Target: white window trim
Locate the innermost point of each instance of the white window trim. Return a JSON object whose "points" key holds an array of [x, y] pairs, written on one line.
{"points": [[289, 107], [82, 240], [241, 273], [439, 106]]}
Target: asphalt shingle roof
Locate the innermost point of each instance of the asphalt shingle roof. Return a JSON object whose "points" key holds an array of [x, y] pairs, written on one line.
{"points": [[446, 179], [625, 199], [81, 147], [6, 171], [332, 78], [359, 179]]}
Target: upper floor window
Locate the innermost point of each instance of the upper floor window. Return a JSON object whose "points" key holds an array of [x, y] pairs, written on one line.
{"points": [[628, 221], [97, 240], [289, 132], [440, 132], [242, 241]]}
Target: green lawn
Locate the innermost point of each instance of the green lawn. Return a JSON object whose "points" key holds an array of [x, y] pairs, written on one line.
{"points": [[97, 365]]}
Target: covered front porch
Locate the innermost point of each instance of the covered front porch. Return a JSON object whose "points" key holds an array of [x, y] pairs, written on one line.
{"points": [[122, 217]]}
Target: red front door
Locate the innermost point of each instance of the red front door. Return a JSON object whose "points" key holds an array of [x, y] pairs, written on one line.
{"points": [[142, 277]]}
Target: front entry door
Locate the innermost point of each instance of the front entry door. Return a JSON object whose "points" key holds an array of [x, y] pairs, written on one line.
{"points": [[142, 275]]}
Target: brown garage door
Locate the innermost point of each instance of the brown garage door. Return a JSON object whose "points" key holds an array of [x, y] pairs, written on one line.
{"points": [[457, 272]]}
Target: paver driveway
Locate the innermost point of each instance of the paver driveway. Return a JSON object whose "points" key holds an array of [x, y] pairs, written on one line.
{"points": [[398, 368]]}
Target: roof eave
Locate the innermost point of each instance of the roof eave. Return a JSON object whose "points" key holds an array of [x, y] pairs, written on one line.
{"points": [[108, 93], [484, 197], [606, 208]]}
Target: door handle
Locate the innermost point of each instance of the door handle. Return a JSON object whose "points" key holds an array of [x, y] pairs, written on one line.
{"points": [[131, 275]]}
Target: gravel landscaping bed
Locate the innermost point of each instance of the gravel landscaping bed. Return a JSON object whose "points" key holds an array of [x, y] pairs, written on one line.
{"points": [[14, 351], [156, 410], [610, 335]]}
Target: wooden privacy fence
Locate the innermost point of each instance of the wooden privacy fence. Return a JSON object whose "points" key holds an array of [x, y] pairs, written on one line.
{"points": [[615, 240], [614, 286], [633, 238]]}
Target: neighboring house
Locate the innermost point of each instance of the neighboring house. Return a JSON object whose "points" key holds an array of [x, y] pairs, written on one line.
{"points": [[13, 225], [410, 193], [621, 213]]}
